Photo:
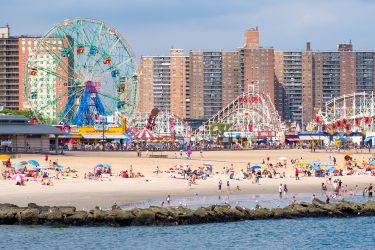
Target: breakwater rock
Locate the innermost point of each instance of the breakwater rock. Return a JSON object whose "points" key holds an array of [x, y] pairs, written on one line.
{"points": [[157, 216]]}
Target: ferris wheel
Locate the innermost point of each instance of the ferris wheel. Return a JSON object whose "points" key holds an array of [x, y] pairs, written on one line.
{"points": [[79, 71]]}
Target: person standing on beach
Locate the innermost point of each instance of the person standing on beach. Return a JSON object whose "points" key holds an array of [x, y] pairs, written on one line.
{"points": [[281, 191], [169, 199], [131, 171], [228, 187], [297, 174], [370, 189], [220, 184], [285, 190]]}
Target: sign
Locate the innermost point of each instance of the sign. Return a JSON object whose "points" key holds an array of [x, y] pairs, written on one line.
{"points": [[266, 134], [100, 127], [236, 134], [250, 99]]}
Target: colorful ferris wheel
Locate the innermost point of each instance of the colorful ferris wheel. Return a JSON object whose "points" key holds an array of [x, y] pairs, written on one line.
{"points": [[81, 70]]}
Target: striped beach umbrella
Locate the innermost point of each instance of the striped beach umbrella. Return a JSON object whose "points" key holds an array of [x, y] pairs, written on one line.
{"points": [[146, 134]]}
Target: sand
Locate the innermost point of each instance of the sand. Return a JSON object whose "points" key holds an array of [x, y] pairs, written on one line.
{"points": [[89, 193]]}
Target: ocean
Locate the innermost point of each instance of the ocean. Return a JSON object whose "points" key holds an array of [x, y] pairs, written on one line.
{"points": [[309, 233]]}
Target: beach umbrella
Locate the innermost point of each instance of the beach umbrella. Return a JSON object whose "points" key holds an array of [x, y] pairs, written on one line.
{"points": [[255, 167], [302, 163], [33, 162], [331, 169], [19, 163], [283, 158], [336, 171], [324, 163], [59, 166], [18, 176], [146, 134], [207, 164], [372, 162], [106, 165], [99, 166]]}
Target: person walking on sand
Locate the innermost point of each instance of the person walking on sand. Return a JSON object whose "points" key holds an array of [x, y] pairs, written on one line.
{"points": [[220, 184], [228, 187], [201, 152]]}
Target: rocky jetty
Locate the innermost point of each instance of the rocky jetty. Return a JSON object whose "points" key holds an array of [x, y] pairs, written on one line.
{"points": [[163, 216]]}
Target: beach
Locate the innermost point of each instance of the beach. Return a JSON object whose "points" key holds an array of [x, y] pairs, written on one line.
{"points": [[86, 194]]}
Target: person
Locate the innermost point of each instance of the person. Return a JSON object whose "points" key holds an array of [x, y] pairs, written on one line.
{"points": [[313, 198], [46, 158], [228, 186], [327, 199], [238, 188], [364, 191], [220, 183], [157, 170], [281, 190], [334, 160], [297, 174], [294, 201], [131, 171], [180, 156], [201, 152], [370, 191], [285, 190], [168, 199]]}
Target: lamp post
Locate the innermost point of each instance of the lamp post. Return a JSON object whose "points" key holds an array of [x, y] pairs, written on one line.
{"points": [[103, 120]]}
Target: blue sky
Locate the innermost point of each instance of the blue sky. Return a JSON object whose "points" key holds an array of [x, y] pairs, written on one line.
{"points": [[151, 27]]}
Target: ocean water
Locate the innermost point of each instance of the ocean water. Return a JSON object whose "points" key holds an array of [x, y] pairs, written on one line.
{"points": [[309, 233]]}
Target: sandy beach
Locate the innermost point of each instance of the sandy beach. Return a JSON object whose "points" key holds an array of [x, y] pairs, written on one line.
{"points": [[89, 193]]}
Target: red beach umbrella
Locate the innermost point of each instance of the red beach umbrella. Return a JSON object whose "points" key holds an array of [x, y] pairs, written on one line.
{"points": [[146, 134]]}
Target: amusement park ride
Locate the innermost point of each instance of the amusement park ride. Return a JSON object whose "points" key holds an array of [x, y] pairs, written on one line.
{"points": [[250, 113], [79, 71], [348, 114]]}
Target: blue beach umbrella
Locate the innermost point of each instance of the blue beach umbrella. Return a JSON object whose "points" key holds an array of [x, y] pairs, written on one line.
{"points": [[33, 162], [59, 166], [331, 169], [105, 165], [372, 162], [19, 163], [255, 167]]}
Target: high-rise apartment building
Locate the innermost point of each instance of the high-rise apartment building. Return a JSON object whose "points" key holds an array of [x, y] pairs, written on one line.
{"points": [[8, 69], [257, 65], [163, 83], [311, 78]]}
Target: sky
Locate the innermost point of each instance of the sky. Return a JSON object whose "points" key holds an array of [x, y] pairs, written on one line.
{"points": [[152, 27]]}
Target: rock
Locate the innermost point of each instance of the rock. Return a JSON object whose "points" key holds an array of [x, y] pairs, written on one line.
{"points": [[143, 217], [77, 218], [67, 210], [9, 215], [262, 213], [7, 205], [117, 217], [28, 216]]}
